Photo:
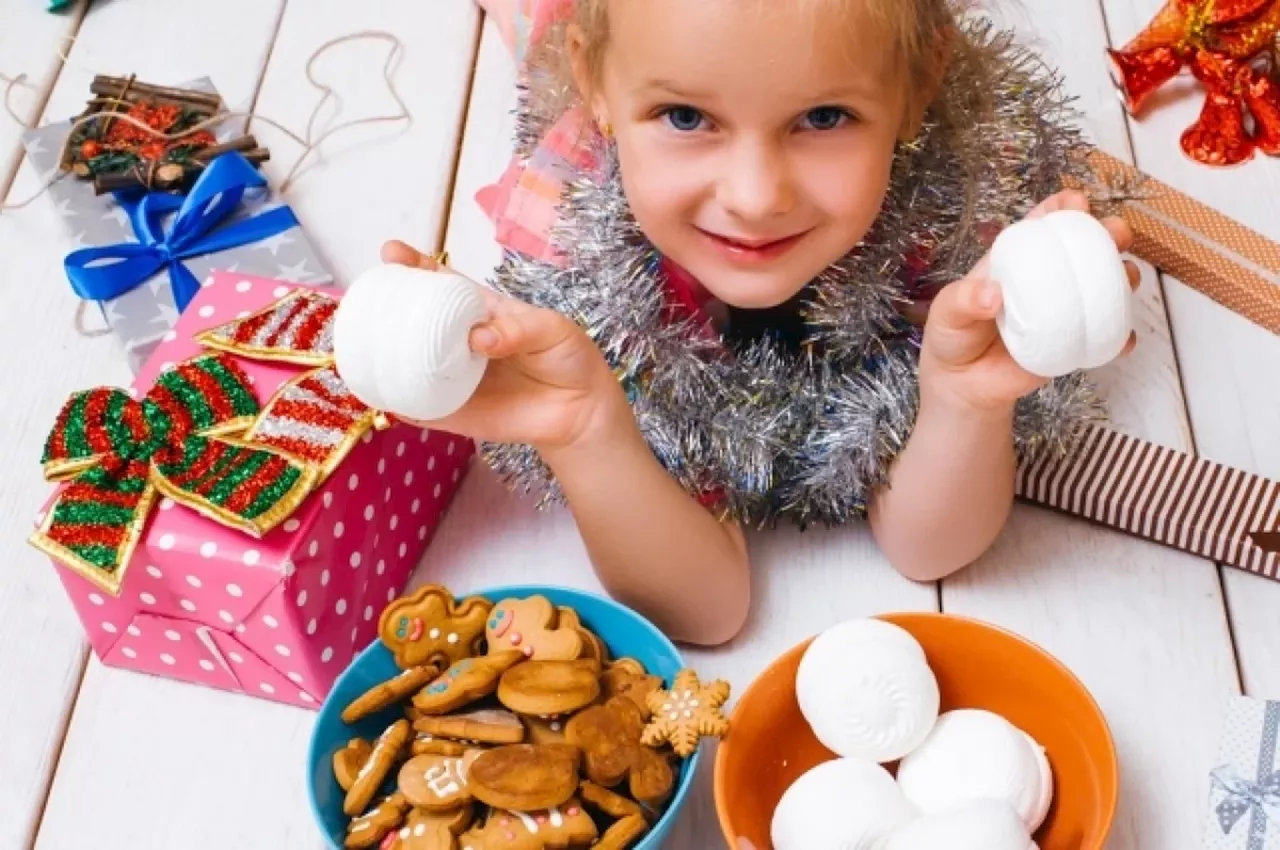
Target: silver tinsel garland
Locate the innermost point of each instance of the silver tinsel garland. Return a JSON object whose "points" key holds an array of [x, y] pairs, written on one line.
{"points": [[809, 434]]}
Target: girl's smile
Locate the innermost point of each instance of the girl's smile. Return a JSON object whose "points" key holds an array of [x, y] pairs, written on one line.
{"points": [[743, 251]]}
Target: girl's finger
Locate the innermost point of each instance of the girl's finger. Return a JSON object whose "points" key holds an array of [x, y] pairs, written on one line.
{"points": [[402, 254], [1069, 199], [966, 302], [527, 331], [1134, 273], [1120, 232]]}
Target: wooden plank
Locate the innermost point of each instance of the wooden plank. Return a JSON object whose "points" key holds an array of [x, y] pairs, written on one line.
{"points": [[802, 582], [180, 754], [1143, 627], [1227, 363], [40, 638]]}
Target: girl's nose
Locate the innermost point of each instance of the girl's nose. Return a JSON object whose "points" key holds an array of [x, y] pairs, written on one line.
{"points": [[756, 182]]}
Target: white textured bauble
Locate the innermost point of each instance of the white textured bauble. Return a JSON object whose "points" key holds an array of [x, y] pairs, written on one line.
{"points": [[844, 804], [867, 691], [401, 340], [979, 825], [1067, 301], [974, 755]]}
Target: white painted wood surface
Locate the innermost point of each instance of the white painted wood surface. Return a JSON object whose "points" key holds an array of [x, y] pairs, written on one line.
{"points": [[155, 764]]}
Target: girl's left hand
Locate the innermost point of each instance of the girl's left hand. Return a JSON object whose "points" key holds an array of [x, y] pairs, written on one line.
{"points": [[963, 357]]}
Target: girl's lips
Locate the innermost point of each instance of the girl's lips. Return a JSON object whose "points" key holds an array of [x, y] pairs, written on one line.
{"points": [[752, 252]]}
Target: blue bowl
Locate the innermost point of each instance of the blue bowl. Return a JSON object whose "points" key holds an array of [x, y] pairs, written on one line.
{"points": [[623, 631]]}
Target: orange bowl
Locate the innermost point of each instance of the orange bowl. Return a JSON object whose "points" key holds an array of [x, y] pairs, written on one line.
{"points": [[977, 665]]}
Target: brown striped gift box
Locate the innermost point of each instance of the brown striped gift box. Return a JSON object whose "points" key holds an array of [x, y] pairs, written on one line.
{"points": [[1164, 495], [1208, 251]]}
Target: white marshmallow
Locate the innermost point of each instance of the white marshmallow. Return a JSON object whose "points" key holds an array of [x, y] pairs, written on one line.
{"points": [[1041, 809], [1067, 301], [867, 691], [979, 825], [401, 340], [971, 755], [844, 804]]}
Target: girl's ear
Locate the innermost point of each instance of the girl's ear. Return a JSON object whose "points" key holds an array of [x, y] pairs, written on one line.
{"points": [[931, 83], [587, 84]]}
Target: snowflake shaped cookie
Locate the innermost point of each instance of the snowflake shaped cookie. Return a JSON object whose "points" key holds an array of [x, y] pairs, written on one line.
{"points": [[686, 713]]}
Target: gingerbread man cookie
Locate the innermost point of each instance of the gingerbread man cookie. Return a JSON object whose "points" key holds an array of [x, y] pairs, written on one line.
{"points": [[385, 694], [371, 827], [609, 737], [592, 646], [348, 761], [465, 682], [530, 625], [438, 783], [430, 745], [425, 830], [386, 750], [428, 627], [556, 828], [484, 726], [623, 681], [686, 713]]}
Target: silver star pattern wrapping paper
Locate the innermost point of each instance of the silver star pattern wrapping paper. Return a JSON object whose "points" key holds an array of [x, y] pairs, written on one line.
{"points": [[139, 319], [1244, 785]]}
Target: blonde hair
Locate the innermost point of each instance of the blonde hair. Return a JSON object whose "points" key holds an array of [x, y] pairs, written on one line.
{"points": [[919, 32]]}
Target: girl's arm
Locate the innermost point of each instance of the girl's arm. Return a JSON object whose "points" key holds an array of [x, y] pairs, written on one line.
{"points": [[653, 546]]}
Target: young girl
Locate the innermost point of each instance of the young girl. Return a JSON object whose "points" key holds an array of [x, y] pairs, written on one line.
{"points": [[726, 224]]}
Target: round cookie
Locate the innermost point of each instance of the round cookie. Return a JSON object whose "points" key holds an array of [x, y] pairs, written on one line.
{"points": [[844, 804], [522, 777], [866, 690], [549, 688]]}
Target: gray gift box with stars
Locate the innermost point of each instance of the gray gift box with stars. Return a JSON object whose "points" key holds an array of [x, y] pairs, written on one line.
{"points": [[140, 318], [1244, 792]]}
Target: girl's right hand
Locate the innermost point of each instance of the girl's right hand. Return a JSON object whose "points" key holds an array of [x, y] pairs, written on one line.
{"points": [[547, 385]]}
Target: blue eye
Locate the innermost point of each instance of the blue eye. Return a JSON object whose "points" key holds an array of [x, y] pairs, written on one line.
{"points": [[686, 119], [825, 118]]}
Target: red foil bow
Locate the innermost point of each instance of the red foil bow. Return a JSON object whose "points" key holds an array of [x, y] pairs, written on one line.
{"points": [[1230, 47]]}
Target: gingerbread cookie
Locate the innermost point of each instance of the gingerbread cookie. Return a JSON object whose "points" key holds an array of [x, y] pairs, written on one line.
{"points": [[530, 625], [438, 783], [430, 745], [386, 750], [373, 826], [622, 681], [609, 737], [556, 828], [486, 726], [521, 777], [390, 692], [549, 688], [348, 761], [465, 682], [428, 627], [592, 646], [606, 801], [425, 830], [545, 730], [686, 713], [623, 834]]}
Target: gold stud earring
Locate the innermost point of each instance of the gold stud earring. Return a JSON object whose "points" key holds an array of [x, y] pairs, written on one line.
{"points": [[606, 129]]}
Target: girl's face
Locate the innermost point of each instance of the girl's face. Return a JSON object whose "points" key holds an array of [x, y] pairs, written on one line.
{"points": [[755, 142]]}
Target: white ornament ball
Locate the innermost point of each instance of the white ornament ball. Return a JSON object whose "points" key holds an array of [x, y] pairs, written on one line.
{"points": [[979, 825], [974, 755], [844, 804], [867, 691], [401, 339], [1067, 301]]}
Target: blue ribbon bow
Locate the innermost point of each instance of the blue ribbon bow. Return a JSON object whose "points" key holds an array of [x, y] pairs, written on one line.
{"points": [[107, 272], [1244, 796]]}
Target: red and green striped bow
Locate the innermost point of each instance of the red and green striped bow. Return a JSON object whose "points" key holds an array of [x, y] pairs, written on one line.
{"points": [[119, 453]]}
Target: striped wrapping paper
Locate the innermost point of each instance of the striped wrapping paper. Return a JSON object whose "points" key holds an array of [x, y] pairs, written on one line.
{"points": [[1164, 495]]}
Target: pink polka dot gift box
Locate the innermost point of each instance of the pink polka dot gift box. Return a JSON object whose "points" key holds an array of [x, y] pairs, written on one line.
{"points": [[237, 518]]}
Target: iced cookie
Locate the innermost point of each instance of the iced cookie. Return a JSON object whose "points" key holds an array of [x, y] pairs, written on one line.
{"points": [[545, 730], [430, 745], [843, 804], [549, 688], [556, 828], [428, 627], [425, 830], [438, 783], [623, 834], [486, 726], [348, 761], [609, 737], [973, 754], [979, 825], [386, 750], [389, 693], [530, 625], [521, 777], [465, 682], [374, 825], [866, 690], [688, 712]]}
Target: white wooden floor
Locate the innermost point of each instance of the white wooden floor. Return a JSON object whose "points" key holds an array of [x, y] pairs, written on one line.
{"points": [[119, 760]]}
